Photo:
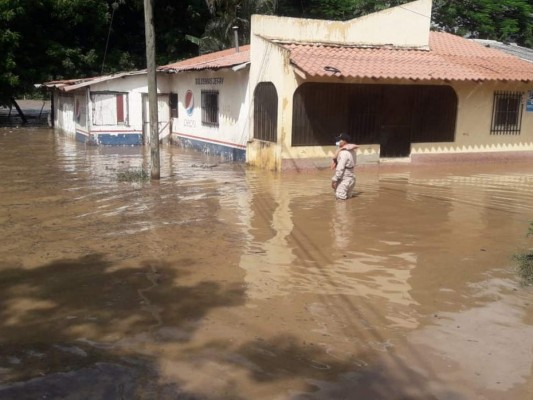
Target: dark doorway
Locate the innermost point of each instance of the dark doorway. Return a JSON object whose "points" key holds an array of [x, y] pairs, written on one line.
{"points": [[395, 130], [266, 112], [393, 116]]}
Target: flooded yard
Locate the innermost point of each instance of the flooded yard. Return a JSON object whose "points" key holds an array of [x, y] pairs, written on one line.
{"points": [[221, 282]]}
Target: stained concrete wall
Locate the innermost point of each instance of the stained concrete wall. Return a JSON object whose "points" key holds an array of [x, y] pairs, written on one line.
{"points": [[474, 116], [270, 63], [404, 26]]}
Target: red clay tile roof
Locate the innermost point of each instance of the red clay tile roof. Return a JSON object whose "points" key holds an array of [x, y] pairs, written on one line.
{"points": [[217, 60], [450, 58]]}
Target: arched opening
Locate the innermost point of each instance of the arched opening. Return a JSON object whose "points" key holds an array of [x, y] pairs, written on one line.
{"points": [[266, 112]]}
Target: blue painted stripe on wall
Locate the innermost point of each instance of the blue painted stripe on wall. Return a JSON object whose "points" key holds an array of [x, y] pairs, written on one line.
{"points": [[214, 149], [125, 139], [81, 137]]}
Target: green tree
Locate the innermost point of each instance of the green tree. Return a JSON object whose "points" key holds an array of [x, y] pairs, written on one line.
{"points": [[226, 14], [48, 39], [336, 10], [53, 39], [79, 51], [9, 43], [505, 20], [43, 40], [175, 21]]}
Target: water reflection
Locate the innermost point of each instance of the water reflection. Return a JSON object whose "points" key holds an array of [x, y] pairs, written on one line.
{"points": [[485, 352], [263, 281]]}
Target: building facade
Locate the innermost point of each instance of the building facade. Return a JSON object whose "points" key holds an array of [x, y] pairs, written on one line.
{"points": [[400, 90], [403, 92]]}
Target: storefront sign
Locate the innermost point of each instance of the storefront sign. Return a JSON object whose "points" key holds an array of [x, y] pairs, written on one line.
{"points": [[209, 81], [189, 102]]}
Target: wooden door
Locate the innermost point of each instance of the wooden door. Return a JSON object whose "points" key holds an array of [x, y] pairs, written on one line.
{"points": [[396, 122]]}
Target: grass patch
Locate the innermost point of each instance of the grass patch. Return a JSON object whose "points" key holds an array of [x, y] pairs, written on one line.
{"points": [[524, 261], [525, 266], [139, 175]]}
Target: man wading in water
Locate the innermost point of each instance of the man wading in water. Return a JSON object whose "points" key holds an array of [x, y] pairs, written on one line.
{"points": [[343, 182]]}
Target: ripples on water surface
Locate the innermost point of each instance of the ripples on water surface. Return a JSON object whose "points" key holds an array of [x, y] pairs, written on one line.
{"points": [[263, 281]]}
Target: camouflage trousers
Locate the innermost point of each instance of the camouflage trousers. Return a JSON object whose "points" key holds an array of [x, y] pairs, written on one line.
{"points": [[345, 187]]}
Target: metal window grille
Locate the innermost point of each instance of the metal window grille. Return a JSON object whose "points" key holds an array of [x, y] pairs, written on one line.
{"points": [[506, 113], [210, 107], [425, 113], [173, 105]]}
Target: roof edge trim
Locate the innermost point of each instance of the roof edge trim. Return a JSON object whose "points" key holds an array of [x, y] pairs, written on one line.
{"points": [[360, 45]]}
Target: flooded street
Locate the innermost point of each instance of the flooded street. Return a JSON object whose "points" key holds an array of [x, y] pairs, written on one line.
{"points": [[221, 282]]}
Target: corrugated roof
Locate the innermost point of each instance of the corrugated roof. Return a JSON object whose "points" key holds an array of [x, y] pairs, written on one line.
{"points": [[68, 85], [221, 59], [61, 84], [450, 57], [521, 52]]}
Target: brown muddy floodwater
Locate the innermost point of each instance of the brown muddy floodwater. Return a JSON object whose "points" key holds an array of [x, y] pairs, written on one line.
{"points": [[220, 282]]}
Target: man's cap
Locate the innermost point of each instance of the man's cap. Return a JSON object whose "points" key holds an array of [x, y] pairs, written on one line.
{"points": [[344, 136]]}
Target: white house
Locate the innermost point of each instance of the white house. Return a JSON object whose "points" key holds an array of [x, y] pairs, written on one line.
{"points": [[213, 102], [111, 109], [202, 104]]}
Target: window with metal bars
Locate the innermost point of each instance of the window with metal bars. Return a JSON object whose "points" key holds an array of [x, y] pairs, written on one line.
{"points": [[322, 110], [506, 113], [173, 102], [210, 107]]}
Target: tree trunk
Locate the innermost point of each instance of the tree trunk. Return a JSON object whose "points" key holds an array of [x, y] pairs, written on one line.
{"points": [[21, 114]]}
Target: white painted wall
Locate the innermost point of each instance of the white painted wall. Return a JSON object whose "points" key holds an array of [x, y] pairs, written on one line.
{"points": [[81, 117], [163, 116], [135, 86], [406, 26], [64, 118], [234, 105]]}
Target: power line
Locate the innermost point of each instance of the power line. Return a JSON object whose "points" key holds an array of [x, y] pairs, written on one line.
{"points": [[114, 6], [415, 12]]}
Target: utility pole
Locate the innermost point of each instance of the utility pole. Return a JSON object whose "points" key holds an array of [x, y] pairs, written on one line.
{"points": [[152, 88]]}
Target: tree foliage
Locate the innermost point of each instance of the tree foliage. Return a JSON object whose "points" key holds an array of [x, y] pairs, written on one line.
{"points": [[44, 40], [227, 15], [53, 39], [506, 21]]}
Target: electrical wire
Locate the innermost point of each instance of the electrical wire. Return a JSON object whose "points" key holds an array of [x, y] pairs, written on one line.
{"points": [[414, 12], [108, 35]]}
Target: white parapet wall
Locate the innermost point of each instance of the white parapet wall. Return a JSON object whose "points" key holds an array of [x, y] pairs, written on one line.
{"points": [[406, 25]]}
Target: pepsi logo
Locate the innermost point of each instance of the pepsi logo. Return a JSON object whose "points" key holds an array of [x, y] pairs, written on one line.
{"points": [[189, 102]]}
